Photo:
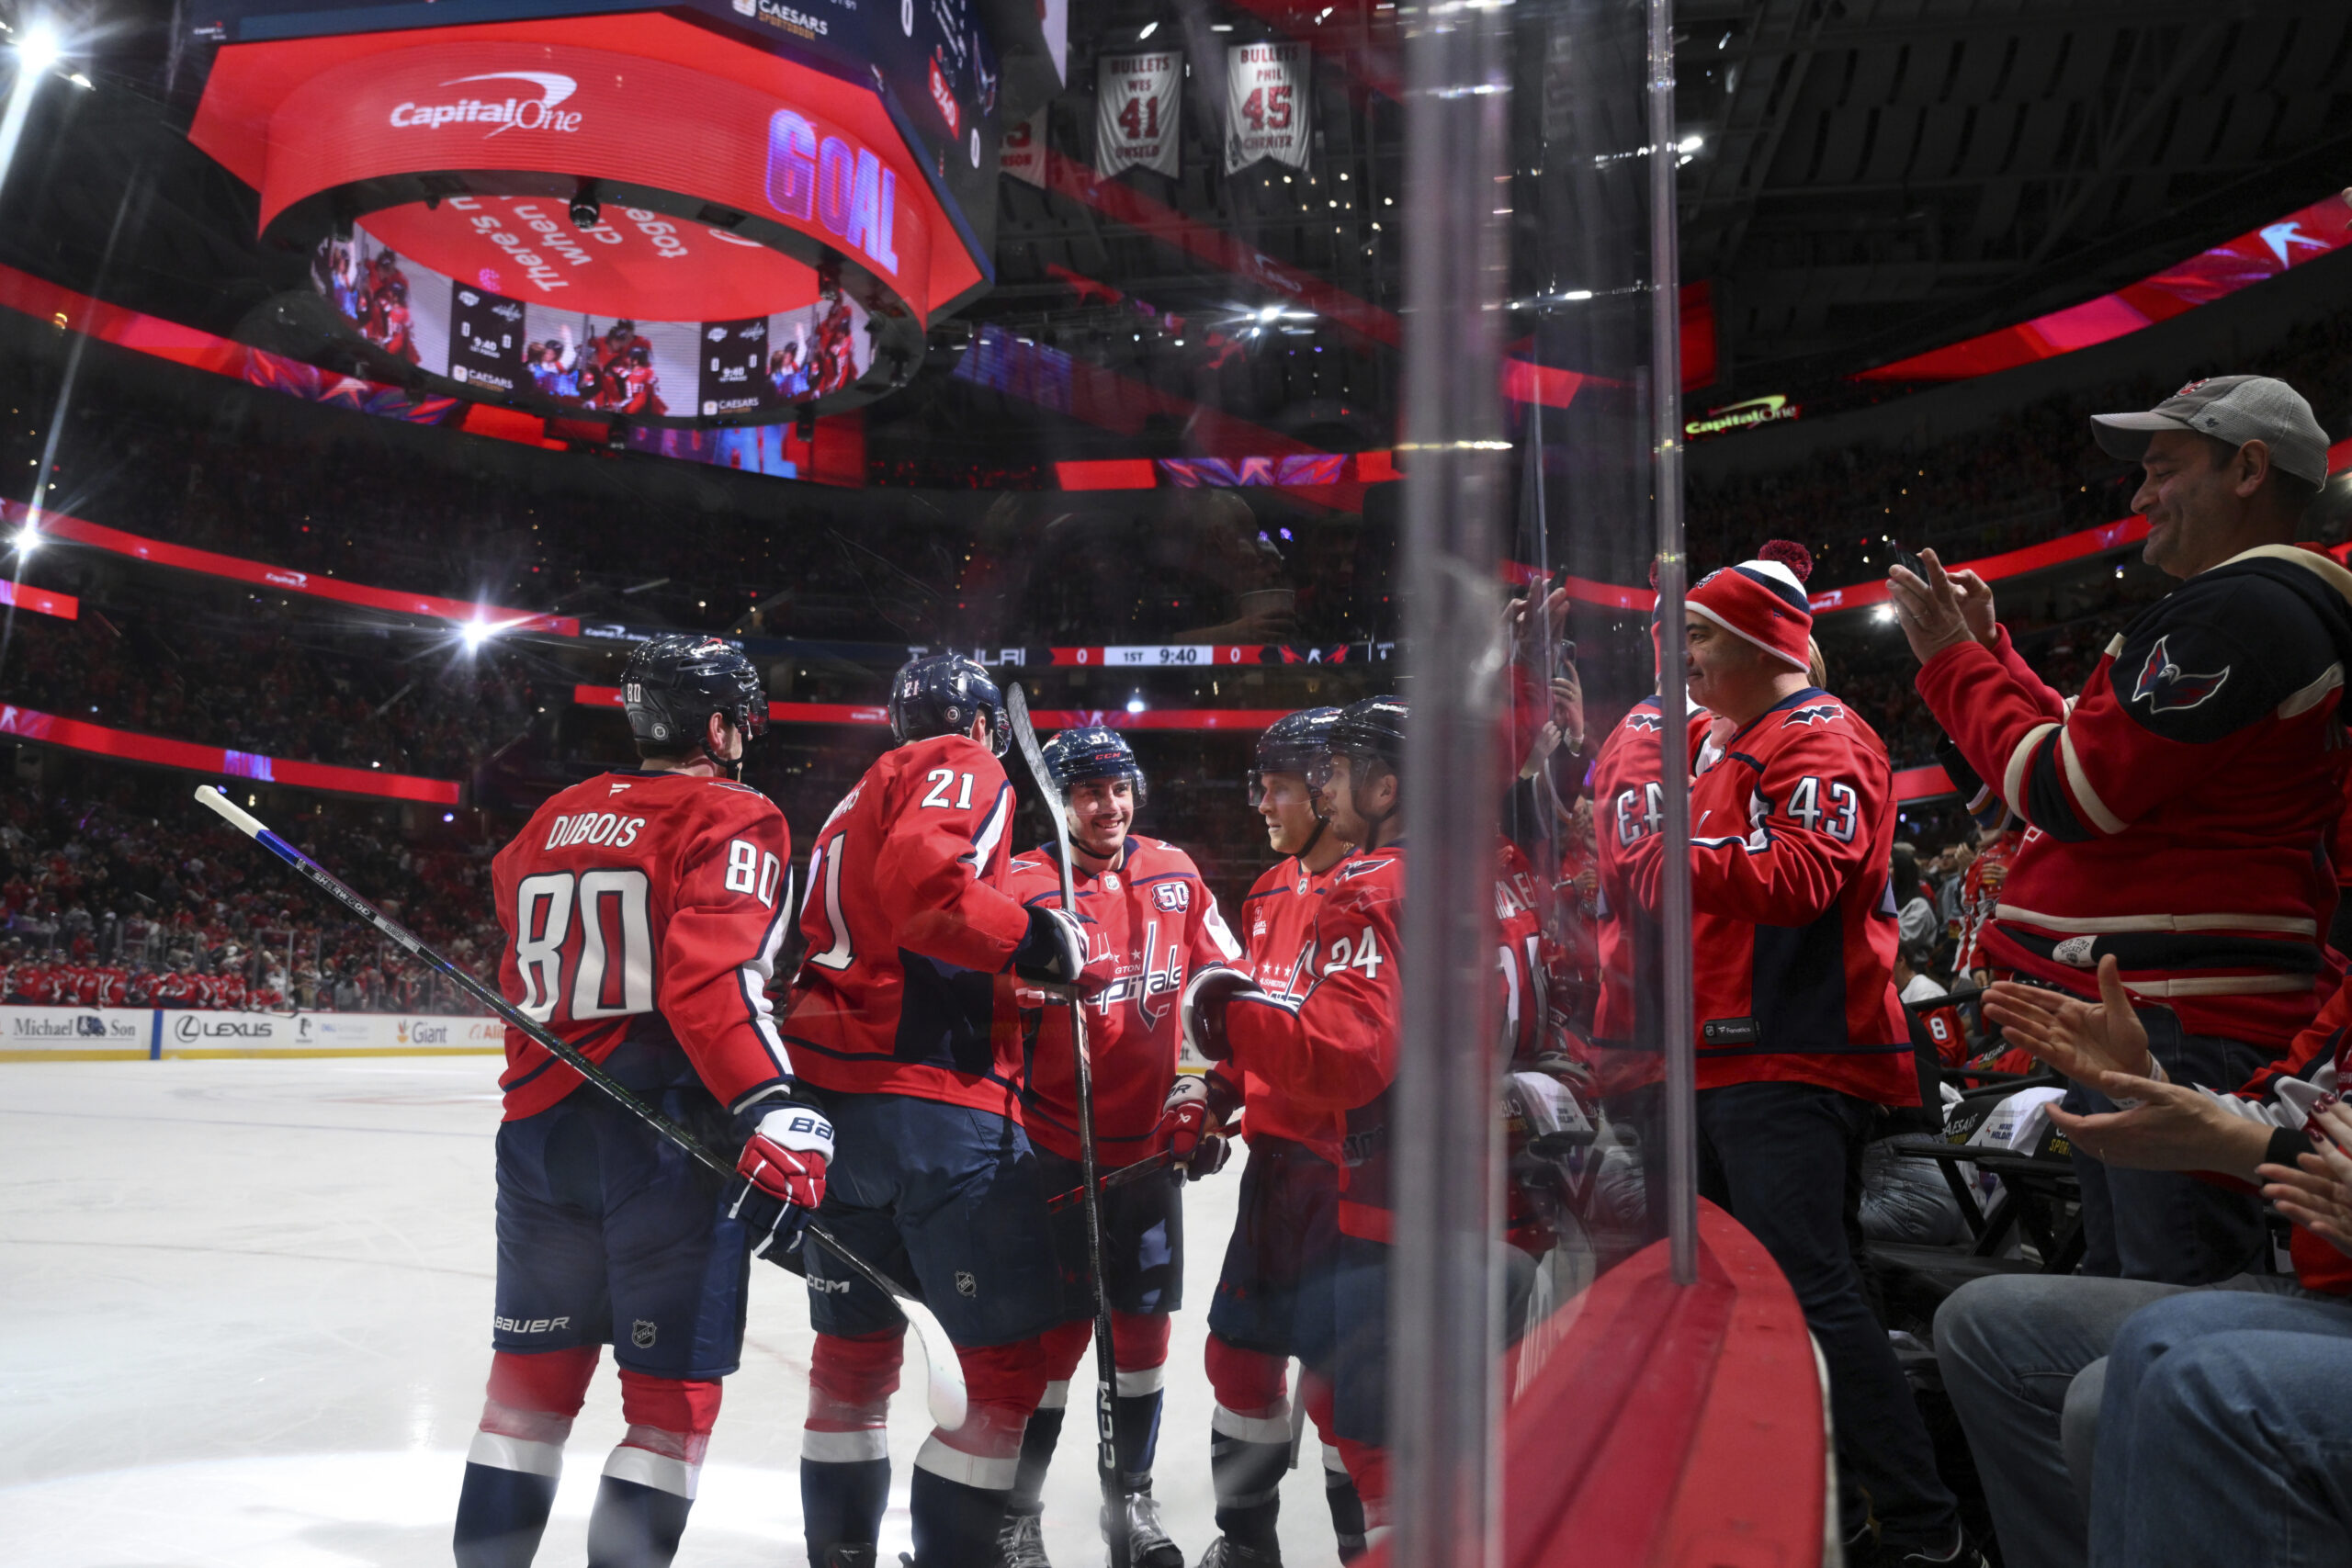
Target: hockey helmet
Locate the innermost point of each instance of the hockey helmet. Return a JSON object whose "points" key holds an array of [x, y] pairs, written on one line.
{"points": [[1295, 744], [1077, 755], [1372, 727], [672, 684], [939, 694]]}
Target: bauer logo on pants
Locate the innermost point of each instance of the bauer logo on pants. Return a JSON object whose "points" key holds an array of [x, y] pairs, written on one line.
{"points": [[640, 1334]]}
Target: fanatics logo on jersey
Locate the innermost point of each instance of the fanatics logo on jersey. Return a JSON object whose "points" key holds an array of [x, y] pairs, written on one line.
{"points": [[640, 1334], [1821, 712], [2166, 688], [1171, 897]]}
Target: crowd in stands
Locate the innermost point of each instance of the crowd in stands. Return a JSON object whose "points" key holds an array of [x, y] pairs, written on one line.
{"points": [[277, 684], [106, 904]]}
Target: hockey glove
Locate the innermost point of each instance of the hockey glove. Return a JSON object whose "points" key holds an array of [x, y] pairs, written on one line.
{"points": [[1054, 955], [1205, 995], [1196, 1145], [783, 1168]]}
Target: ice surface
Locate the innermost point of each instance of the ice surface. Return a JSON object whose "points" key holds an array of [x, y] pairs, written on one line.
{"points": [[244, 1316]]}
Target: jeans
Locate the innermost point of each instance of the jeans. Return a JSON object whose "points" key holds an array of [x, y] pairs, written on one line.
{"points": [[2166, 1225], [2021, 1358], [1785, 1159], [2227, 1434]]}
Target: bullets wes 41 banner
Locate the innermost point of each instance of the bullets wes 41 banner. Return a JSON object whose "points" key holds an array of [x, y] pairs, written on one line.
{"points": [[1265, 104], [1136, 101]]}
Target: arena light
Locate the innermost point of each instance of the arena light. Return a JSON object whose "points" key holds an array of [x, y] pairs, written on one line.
{"points": [[26, 540], [1134, 703], [38, 48], [1886, 615]]}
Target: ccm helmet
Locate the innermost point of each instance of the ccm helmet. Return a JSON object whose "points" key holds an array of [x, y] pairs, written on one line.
{"points": [[1077, 755], [672, 684], [939, 694]]}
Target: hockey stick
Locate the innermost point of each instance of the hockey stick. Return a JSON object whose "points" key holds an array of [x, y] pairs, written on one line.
{"points": [[1106, 1365], [1123, 1175], [947, 1399]]}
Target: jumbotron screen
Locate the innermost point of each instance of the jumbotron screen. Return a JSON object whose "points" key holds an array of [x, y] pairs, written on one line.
{"points": [[734, 201]]}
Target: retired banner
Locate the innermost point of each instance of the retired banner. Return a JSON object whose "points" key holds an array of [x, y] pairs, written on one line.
{"points": [[1022, 155], [1136, 103], [1265, 104]]}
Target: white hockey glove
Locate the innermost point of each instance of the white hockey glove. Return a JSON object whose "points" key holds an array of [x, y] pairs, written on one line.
{"points": [[1196, 1144]]}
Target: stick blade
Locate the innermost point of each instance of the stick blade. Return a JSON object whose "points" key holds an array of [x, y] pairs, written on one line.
{"points": [[945, 1383]]}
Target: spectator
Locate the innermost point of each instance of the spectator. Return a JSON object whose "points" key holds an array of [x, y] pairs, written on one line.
{"points": [[2183, 803], [2023, 1355], [1915, 918]]}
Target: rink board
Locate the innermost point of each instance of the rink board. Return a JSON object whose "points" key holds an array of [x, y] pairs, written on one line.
{"points": [[101, 1034]]}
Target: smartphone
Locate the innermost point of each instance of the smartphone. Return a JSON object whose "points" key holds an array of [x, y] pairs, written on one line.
{"points": [[1909, 560]]}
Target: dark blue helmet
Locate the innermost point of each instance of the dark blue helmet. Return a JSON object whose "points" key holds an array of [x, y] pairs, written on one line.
{"points": [[672, 684], [1372, 727], [1077, 755], [1295, 744], [939, 694]]}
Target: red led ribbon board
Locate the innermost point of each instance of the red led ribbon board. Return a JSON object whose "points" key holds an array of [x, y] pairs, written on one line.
{"points": [[748, 165], [1250, 719], [98, 740]]}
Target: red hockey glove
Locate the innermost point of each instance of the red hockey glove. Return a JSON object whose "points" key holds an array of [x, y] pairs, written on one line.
{"points": [[1205, 995], [1195, 1146], [782, 1167]]}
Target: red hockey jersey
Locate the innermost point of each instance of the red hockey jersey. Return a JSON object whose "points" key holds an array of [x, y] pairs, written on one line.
{"points": [[1519, 955], [909, 935], [1278, 920], [1333, 1045], [1153, 910], [645, 906], [2179, 813], [1792, 924], [1626, 803]]}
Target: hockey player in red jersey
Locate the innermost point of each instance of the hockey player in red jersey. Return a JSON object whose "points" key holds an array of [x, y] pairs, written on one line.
{"points": [[642, 908], [1153, 921], [1331, 1045], [903, 1028], [1286, 1232], [1799, 1035]]}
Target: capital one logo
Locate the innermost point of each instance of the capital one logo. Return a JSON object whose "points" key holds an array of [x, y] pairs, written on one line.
{"points": [[512, 113]]}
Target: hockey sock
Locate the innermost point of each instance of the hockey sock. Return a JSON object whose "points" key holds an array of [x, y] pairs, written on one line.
{"points": [[962, 1478], [1345, 1503], [844, 1451], [1248, 1442], [1141, 1345], [1038, 1443], [648, 1485], [517, 1456]]}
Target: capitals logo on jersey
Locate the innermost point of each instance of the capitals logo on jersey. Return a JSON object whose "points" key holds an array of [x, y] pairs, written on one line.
{"points": [[1649, 722], [1819, 712], [2166, 688]]}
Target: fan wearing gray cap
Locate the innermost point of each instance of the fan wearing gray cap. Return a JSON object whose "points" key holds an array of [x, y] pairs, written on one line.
{"points": [[2166, 912]]}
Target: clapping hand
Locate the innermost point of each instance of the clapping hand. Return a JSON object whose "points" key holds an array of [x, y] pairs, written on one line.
{"points": [[2318, 1195], [2086, 1042]]}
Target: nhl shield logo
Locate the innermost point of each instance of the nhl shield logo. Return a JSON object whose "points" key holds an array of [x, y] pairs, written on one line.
{"points": [[965, 1284], [640, 1334], [1171, 896]]}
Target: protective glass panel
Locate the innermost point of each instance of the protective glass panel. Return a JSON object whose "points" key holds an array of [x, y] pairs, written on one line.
{"points": [[442, 433]]}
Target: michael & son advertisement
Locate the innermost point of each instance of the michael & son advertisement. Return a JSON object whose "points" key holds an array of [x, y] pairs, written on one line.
{"points": [[54, 1033]]}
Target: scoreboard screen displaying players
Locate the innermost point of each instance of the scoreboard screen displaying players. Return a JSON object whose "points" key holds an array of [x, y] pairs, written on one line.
{"points": [[742, 206]]}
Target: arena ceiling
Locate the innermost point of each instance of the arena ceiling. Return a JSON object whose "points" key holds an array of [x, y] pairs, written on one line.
{"points": [[1873, 177]]}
